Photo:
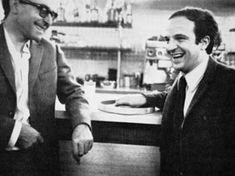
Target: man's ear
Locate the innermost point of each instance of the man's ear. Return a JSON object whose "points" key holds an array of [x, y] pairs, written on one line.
{"points": [[14, 6], [205, 41]]}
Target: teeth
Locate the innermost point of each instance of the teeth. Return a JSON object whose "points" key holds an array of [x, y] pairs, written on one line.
{"points": [[177, 55], [39, 27], [43, 28]]}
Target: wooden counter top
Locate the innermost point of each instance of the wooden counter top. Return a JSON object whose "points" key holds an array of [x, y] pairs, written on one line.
{"points": [[98, 115]]}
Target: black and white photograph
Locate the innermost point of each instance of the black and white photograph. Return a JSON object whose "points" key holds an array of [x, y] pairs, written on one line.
{"points": [[117, 87]]}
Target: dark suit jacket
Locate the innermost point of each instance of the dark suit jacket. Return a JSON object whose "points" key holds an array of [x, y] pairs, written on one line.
{"points": [[205, 145], [49, 75]]}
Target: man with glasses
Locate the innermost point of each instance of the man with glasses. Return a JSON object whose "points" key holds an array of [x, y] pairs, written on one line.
{"points": [[32, 73]]}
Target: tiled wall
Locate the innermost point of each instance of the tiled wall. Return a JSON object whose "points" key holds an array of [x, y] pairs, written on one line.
{"points": [[98, 62], [146, 23]]}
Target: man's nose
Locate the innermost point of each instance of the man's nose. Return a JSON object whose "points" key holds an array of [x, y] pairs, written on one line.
{"points": [[48, 19], [171, 45]]}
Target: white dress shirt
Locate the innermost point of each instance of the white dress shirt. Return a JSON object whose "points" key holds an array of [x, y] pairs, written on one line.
{"points": [[20, 63], [193, 79]]}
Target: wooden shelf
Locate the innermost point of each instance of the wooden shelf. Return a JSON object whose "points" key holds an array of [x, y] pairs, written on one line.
{"points": [[91, 24], [232, 30], [110, 49], [104, 49]]}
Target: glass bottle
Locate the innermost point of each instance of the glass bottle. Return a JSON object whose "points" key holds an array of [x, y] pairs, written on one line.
{"points": [[88, 11], [94, 13], [111, 13], [61, 13], [76, 16], [129, 13]]}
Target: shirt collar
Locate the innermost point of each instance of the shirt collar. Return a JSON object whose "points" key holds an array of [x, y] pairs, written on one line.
{"points": [[11, 47], [26, 47], [194, 77]]}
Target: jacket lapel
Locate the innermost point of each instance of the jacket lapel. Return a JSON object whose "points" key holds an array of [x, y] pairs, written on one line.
{"points": [[5, 59], [203, 85], [36, 51], [170, 102]]}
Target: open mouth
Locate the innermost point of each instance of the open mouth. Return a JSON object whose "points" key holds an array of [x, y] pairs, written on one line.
{"points": [[41, 27], [177, 55]]}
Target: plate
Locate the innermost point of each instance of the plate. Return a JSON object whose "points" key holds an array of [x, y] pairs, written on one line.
{"points": [[109, 106]]}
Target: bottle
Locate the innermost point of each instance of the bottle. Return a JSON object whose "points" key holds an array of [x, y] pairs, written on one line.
{"points": [[61, 13], [76, 16], [129, 13], [94, 13], [118, 6], [88, 11], [111, 13]]}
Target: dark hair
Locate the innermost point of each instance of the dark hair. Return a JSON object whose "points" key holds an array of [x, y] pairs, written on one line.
{"points": [[6, 7], [205, 24]]}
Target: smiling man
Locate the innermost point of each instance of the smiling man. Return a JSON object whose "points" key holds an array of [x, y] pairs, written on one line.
{"points": [[32, 73], [198, 113]]}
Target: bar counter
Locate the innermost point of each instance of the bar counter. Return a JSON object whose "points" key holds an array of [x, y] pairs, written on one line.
{"points": [[115, 128], [123, 144]]}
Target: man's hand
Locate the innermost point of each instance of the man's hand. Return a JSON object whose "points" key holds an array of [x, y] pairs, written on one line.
{"points": [[135, 100], [28, 137], [82, 141]]}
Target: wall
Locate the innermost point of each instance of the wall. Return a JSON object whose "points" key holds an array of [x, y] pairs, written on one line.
{"points": [[149, 19], [146, 23], [83, 62]]}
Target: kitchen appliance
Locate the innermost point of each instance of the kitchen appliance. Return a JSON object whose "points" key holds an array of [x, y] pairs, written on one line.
{"points": [[158, 65], [219, 53]]}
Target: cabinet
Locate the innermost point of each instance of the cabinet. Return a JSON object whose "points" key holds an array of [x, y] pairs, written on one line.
{"points": [[93, 37]]}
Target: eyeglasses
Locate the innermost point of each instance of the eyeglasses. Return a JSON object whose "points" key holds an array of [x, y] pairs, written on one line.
{"points": [[44, 11]]}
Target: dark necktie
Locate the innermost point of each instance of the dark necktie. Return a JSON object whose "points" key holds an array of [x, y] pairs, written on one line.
{"points": [[181, 98]]}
